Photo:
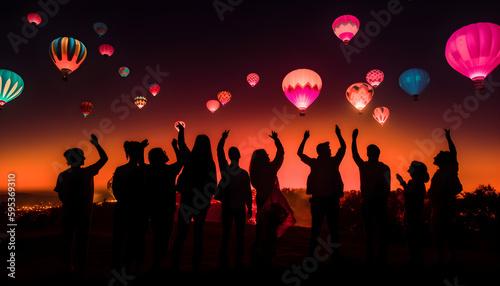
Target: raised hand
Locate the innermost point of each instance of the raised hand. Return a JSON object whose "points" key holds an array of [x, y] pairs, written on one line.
{"points": [[447, 134], [180, 126], [355, 133], [225, 134], [93, 140], [306, 134], [144, 143], [274, 135], [337, 130]]}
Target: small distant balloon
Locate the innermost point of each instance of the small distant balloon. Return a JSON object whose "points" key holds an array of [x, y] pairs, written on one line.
{"points": [[34, 19], [224, 97], [11, 86], [302, 87], [359, 95], [106, 50], [381, 114], [414, 81], [154, 89], [67, 54], [345, 27], [181, 123], [86, 108], [375, 77], [100, 28], [140, 101], [124, 71], [213, 105], [253, 79]]}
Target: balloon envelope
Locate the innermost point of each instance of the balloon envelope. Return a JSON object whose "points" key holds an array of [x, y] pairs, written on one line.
{"points": [[67, 54], [224, 97], [302, 87], [181, 123], [154, 89], [100, 28], [253, 79], [140, 101], [11, 86], [106, 50], [381, 114], [345, 27], [474, 51], [359, 95], [213, 105], [124, 71], [375, 77], [86, 108], [34, 18], [414, 81]]}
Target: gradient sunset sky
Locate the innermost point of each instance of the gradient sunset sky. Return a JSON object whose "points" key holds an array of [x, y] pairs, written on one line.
{"points": [[195, 52]]}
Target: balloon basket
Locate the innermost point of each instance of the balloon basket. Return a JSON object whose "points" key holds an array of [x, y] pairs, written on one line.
{"points": [[479, 85], [415, 97]]}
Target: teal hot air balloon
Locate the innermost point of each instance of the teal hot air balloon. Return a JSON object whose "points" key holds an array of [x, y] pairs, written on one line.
{"points": [[11, 86], [414, 81]]}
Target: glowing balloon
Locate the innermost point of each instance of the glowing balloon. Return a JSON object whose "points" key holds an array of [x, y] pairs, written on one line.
{"points": [[374, 77], [67, 54], [474, 51], [302, 87], [224, 97], [124, 71], [154, 89], [11, 86], [106, 50], [100, 28], [34, 18], [359, 95], [253, 79], [414, 81], [181, 123], [213, 105], [140, 101], [345, 27], [381, 114], [86, 108]]}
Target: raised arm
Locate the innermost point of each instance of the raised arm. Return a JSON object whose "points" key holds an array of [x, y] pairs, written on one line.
{"points": [[183, 148], [401, 181], [221, 155], [341, 152], [280, 152], [451, 145], [103, 157], [300, 152], [354, 148]]}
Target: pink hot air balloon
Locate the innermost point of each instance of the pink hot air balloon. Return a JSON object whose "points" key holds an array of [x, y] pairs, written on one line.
{"points": [[213, 105], [345, 27], [34, 19], [253, 79], [474, 51], [106, 50], [224, 97], [302, 87], [154, 89], [181, 123], [359, 95], [381, 114], [374, 77]]}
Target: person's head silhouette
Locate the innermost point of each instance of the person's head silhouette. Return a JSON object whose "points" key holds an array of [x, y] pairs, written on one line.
{"points": [[443, 159], [418, 171], [201, 149], [157, 157], [234, 154], [132, 150], [74, 157], [259, 157], [323, 149], [373, 152]]}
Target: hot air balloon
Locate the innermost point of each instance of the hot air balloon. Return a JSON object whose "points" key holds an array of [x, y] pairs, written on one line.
{"points": [[224, 97], [86, 108], [213, 105], [106, 50], [124, 71], [474, 51], [253, 79], [67, 54], [381, 114], [414, 81], [345, 27], [11, 86], [181, 123], [34, 19], [100, 28], [374, 77], [302, 87], [140, 101], [154, 89], [359, 95]]}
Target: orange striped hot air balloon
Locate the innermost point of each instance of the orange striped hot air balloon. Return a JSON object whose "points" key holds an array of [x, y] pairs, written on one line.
{"points": [[359, 95], [224, 97], [140, 101], [381, 114], [67, 54]]}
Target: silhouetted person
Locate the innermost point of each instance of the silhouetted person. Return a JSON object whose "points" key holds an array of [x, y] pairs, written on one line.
{"points": [[75, 187], [234, 193], [325, 185], [445, 185], [130, 219], [414, 196], [375, 185], [197, 184], [161, 194]]}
